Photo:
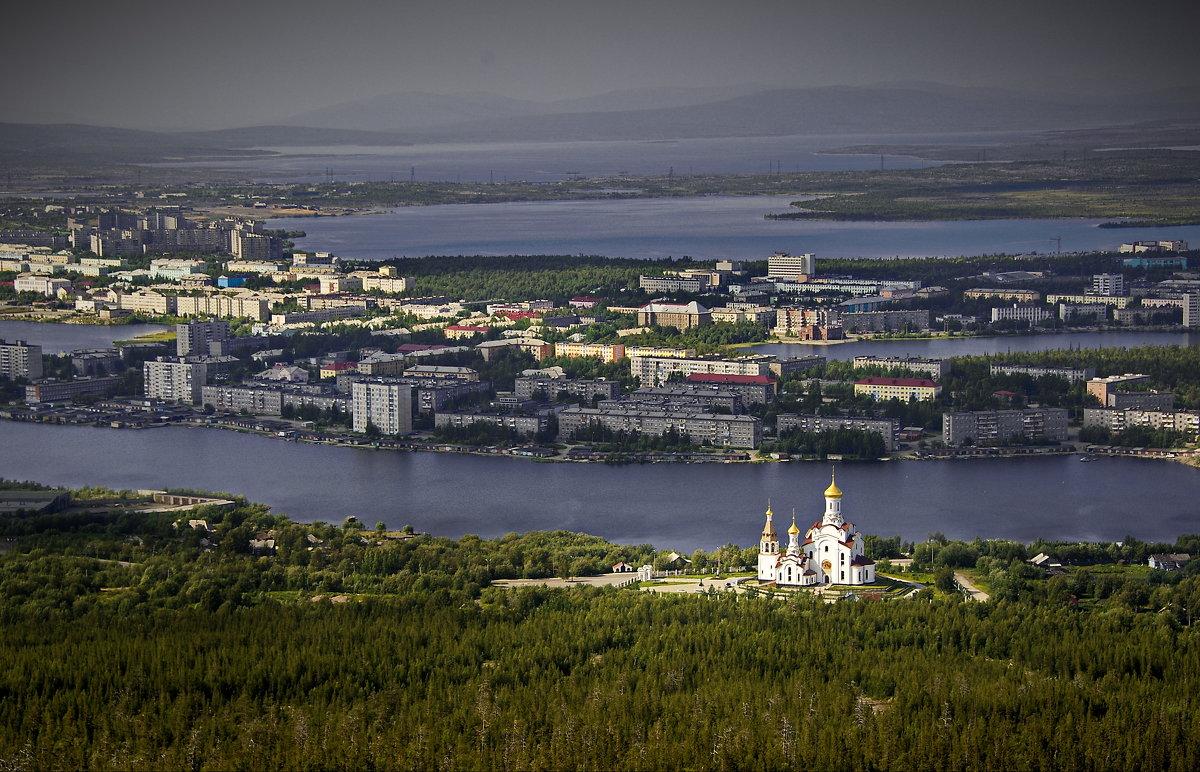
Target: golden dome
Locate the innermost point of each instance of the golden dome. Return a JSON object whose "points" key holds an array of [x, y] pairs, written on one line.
{"points": [[833, 492], [793, 530]]}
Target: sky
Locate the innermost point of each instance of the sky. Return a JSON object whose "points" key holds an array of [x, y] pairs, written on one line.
{"points": [[219, 64]]}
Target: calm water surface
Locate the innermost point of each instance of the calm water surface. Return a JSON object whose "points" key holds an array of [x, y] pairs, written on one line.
{"points": [[670, 505], [703, 228], [952, 347], [59, 338]]}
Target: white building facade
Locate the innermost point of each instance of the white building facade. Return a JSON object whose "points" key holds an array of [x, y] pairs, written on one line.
{"points": [[831, 552]]}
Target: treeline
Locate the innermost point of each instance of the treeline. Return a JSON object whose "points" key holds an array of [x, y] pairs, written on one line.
{"points": [[520, 277], [852, 443], [129, 641], [587, 679]]}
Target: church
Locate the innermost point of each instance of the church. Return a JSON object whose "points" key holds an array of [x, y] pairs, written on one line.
{"points": [[831, 553]]}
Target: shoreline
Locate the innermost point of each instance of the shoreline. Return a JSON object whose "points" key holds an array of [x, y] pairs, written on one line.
{"points": [[1187, 457]]}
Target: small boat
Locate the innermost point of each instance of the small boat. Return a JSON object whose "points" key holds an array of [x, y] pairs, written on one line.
{"points": [[1087, 458]]}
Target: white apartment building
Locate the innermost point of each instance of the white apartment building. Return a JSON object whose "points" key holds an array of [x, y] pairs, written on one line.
{"points": [[657, 370], [387, 406], [174, 380], [791, 267], [19, 359]]}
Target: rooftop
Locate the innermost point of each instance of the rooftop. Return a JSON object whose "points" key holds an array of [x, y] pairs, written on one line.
{"points": [[911, 382]]}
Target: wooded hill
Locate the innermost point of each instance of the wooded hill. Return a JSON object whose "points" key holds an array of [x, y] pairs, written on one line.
{"points": [[197, 654]]}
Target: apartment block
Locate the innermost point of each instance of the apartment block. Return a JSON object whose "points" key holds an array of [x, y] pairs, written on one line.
{"points": [[62, 391], [735, 431], [655, 371], [19, 359], [605, 352], [934, 368], [528, 425], [887, 428], [196, 338], [174, 380], [1071, 374], [903, 389], [792, 267], [1116, 419], [586, 389], [999, 427], [387, 406]]}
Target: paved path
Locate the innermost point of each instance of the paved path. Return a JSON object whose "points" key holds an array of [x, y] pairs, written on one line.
{"points": [[694, 585], [972, 591], [916, 586], [604, 580]]}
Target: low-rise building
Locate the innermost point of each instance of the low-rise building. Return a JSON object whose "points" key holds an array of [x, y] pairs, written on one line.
{"points": [[1141, 400], [96, 361], [657, 284], [657, 370], [687, 398], [1117, 301], [680, 315], [442, 371], [587, 389], [1071, 374], [1021, 313], [782, 368], [1002, 427], [735, 431], [528, 425], [903, 389], [935, 368], [42, 285], [753, 389], [62, 391], [1003, 293], [887, 428], [884, 321], [1101, 388], [1118, 419]]}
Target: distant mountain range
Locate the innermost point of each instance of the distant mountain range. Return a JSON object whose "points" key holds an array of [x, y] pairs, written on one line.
{"points": [[910, 108]]}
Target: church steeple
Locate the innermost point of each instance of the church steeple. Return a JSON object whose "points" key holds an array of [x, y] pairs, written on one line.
{"points": [[833, 502], [770, 539], [793, 536]]}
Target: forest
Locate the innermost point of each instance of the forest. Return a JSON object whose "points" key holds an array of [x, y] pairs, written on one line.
{"points": [[130, 640]]}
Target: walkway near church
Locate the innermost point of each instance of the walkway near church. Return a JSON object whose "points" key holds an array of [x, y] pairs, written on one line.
{"points": [[603, 580], [973, 592]]}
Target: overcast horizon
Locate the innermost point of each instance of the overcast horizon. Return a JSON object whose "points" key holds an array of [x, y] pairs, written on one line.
{"points": [[223, 64]]}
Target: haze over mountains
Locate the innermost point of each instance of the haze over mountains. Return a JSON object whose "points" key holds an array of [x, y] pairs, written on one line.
{"points": [[911, 108]]}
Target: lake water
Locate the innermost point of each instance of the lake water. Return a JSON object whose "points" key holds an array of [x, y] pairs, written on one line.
{"points": [[555, 161], [701, 227], [680, 506], [60, 338], [936, 348]]}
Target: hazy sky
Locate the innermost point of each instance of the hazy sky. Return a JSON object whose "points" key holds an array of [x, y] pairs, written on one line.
{"points": [[216, 63]]}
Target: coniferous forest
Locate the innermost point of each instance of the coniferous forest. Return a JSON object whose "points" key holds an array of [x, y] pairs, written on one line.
{"points": [[137, 641]]}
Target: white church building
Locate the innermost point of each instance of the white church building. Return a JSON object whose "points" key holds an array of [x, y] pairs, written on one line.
{"points": [[831, 553]]}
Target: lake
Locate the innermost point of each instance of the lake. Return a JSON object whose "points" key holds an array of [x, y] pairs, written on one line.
{"points": [[701, 227], [679, 506], [936, 348], [60, 338]]}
